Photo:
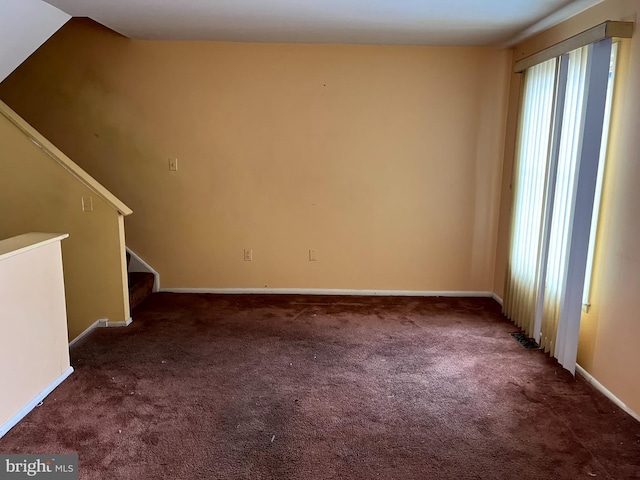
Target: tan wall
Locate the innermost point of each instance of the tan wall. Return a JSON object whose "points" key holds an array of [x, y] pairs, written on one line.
{"points": [[383, 159], [609, 332], [33, 344], [38, 194]]}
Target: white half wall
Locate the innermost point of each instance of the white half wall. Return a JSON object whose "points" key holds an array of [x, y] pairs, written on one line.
{"points": [[24, 26]]}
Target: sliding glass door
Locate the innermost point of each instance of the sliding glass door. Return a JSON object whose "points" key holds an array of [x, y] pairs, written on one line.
{"points": [[559, 145]]}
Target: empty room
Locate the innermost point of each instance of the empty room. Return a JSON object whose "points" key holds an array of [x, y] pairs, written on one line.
{"points": [[295, 239]]}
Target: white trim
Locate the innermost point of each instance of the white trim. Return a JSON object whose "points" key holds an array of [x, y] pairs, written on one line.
{"points": [[330, 291], [565, 13], [124, 323], [26, 242], [602, 389], [98, 323], [147, 268], [497, 298], [65, 162], [9, 424]]}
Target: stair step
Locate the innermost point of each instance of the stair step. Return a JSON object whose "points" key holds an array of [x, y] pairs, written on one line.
{"points": [[140, 287]]}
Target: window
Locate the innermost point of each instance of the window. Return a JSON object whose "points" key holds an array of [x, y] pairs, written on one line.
{"points": [[562, 143]]}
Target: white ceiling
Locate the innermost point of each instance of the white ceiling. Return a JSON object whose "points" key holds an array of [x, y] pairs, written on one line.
{"points": [[24, 26], [413, 22]]}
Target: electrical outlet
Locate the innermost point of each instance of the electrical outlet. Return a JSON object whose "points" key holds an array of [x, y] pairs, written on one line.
{"points": [[313, 256], [248, 255], [173, 164], [87, 204]]}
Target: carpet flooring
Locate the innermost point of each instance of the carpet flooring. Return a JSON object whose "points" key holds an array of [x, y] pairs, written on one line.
{"points": [[302, 387]]}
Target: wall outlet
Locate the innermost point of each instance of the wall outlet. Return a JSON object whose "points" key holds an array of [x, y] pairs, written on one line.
{"points": [[173, 164], [248, 255], [87, 204], [313, 256]]}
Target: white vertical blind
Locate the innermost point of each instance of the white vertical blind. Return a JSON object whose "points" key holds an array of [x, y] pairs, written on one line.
{"points": [[562, 202], [559, 163], [586, 302], [583, 192], [529, 186], [554, 153]]}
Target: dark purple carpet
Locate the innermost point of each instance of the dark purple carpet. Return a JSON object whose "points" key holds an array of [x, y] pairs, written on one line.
{"points": [[301, 387]]}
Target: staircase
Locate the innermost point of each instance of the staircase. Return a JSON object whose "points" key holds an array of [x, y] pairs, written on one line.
{"points": [[140, 285]]}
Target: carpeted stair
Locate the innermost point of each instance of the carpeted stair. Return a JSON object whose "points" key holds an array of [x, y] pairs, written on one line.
{"points": [[140, 286]]}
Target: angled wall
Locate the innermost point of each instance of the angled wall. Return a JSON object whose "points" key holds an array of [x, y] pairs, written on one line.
{"points": [[41, 191], [24, 26]]}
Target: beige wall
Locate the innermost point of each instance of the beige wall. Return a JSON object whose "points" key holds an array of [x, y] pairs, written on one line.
{"points": [[383, 159], [610, 331], [33, 344], [38, 194]]}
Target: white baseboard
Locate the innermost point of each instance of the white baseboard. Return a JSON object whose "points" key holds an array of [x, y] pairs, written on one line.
{"points": [[100, 323], [139, 265], [124, 323], [602, 389], [496, 298], [9, 424], [96, 324], [321, 291]]}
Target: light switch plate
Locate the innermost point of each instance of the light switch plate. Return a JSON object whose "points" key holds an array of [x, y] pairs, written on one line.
{"points": [[87, 204]]}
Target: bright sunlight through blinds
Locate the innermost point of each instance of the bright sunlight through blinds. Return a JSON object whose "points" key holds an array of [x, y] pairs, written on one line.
{"points": [[562, 144], [562, 203], [529, 187]]}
